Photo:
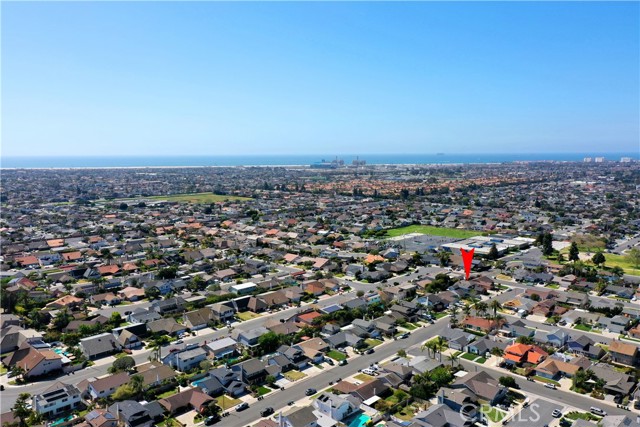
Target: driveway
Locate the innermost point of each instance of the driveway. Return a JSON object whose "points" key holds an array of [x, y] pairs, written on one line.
{"points": [[537, 414]]}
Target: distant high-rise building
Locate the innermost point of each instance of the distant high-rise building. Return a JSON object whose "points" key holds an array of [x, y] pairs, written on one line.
{"points": [[587, 159], [599, 159], [625, 160]]}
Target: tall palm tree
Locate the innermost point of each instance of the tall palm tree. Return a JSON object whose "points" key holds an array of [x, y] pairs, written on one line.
{"points": [[137, 385], [466, 310], [430, 346], [481, 307], [440, 344], [495, 306], [453, 358]]}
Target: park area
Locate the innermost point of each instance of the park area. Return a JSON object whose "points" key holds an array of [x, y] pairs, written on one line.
{"points": [[433, 231], [197, 198]]}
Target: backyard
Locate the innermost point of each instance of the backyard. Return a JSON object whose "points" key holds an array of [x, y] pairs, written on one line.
{"points": [[494, 414]]}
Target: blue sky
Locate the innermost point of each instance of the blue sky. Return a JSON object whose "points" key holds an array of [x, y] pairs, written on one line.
{"points": [[121, 78]]}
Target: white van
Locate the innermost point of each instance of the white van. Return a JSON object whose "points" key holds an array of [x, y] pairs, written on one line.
{"points": [[598, 411], [369, 371]]}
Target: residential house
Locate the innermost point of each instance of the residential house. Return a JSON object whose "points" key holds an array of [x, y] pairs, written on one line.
{"points": [[583, 345], [299, 417], [104, 387], [250, 338], [130, 413], [479, 324], [167, 326], [221, 348], [524, 353], [192, 398], [98, 346], [34, 362], [337, 407], [314, 349], [626, 354], [56, 399], [185, 359], [222, 312], [252, 371], [482, 385]]}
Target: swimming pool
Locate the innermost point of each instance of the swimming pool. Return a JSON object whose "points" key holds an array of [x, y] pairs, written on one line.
{"points": [[62, 420], [359, 421]]}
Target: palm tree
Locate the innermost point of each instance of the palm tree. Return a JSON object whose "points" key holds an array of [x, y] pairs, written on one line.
{"points": [[444, 258], [137, 385], [453, 358], [481, 307], [466, 310], [429, 346], [440, 344], [495, 306], [21, 410]]}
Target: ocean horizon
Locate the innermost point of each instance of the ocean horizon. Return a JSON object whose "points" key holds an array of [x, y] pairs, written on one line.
{"points": [[42, 162]]}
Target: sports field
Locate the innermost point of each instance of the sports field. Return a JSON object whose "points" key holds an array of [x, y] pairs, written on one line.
{"points": [[434, 231]]}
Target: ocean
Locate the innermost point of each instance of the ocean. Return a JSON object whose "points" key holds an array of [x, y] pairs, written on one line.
{"points": [[36, 162]]}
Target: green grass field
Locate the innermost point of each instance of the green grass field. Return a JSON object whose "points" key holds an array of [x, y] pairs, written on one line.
{"points": [[225, 402], [247, 315], [336, 355], [434, 231], [198, 198], [373, 342], [611, 260], [494, 414], [294, 375]]}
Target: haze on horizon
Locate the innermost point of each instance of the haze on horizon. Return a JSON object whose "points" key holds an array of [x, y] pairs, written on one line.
{"points": [[214, 78]]}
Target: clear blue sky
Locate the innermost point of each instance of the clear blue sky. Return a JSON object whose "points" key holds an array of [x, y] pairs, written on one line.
{"points": [[121, 78]]}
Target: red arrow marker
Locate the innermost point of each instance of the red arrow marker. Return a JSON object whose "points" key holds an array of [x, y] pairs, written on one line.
{"points": [[467, 257]]}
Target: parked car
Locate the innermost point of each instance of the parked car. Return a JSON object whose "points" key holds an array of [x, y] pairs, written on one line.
{"points": [[549, 385], [343, 362], [370, 351], [242, 407], [177, 342], [266, 411], [209, 421], [598, 411], [329, 362], [556, 413], [405, 335], [310, 391], [291, 403]]}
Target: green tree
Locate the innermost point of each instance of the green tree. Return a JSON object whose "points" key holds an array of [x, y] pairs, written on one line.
{"points": [[547, 244], [573, 252], [444, 257], [360, 293], [136, 382], [508, 381], [269, 342], [493, 252], [116, 319], [598, 258], [125, 363], [524, 340], [152, 293], [21, 410], [634, 257], [402, 353], [495, 306]]}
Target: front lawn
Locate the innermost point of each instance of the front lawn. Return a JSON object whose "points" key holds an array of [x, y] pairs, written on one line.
{"points": [[247, 315], [552, 286], [469, 356], [575, 415], [494, 414], [546, 380], [294, 375], [263, 390], [363, 377], [409, 326], [336, 355], [583, 327], [371, 342], [480, 360], [225, 402]]}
